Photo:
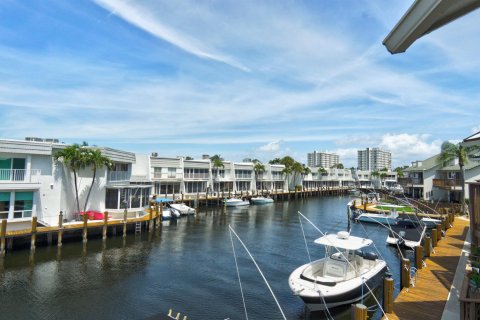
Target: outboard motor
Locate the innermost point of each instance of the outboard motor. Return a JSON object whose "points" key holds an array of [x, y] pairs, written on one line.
{"points": [[370, 256]]}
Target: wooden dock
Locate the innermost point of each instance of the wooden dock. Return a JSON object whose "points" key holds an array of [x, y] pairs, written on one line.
{"points": [[427, 299]]}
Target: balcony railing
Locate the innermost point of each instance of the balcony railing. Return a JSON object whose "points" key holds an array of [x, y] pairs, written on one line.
{"points": [[196, 175], [410, 181], [19, 175], [447, 183], [158, 175], [243, 176], [114, 176]]}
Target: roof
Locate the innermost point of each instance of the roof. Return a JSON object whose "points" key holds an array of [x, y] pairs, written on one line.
{"points": [[470, 165], [423, 17], [427, 164], [349, 242], [473, 137]]}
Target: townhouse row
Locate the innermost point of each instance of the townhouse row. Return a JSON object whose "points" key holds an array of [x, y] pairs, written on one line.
{"points": [[433, 181]]}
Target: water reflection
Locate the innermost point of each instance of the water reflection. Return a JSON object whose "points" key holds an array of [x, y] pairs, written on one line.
{"points": [[186, 265]]}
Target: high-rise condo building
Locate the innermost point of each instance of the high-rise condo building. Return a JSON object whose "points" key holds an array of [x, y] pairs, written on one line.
{"points": [[374, 159], [322, 159]]}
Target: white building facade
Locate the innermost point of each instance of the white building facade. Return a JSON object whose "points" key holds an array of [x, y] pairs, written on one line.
{"points": [[374, 159], [318, 159]]}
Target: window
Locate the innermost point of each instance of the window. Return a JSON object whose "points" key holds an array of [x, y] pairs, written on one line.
{"points": [[111, 199], [4, 204], [23, 205]]}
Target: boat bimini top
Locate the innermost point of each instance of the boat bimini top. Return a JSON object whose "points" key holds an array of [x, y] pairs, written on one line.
{"points": [[343, 240]]}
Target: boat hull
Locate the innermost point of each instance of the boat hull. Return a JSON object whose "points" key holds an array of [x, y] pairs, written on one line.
{"points": [[261, 201], [237, 204], [346, 293], [377, 218]]}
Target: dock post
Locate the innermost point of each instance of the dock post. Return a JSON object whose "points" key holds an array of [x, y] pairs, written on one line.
{"points": [[444, 225], [158, 215], [125, 223], [388, 293], [405, 273], [150, 220], [434, 237], [427, 242], [359, 312], [105, 225], [439, 232], [3, 232], [60, 229], [85, 228], [419, 257], [34, 234]]}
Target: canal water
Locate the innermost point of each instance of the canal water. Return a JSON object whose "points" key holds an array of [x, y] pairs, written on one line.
{"points": [[187, 266]]}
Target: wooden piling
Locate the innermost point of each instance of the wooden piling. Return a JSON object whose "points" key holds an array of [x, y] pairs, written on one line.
{"points": [[125, 223], [3, 232], [105, 225], [33, 234], [388, 294], [434, 237], [439, 232], [85, 228], [157, 225], [405, 273], [419, 257], [150, 220], [60, 229], [427, 242], [359, 312]]}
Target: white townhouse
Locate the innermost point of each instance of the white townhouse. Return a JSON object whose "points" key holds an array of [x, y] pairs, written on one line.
{"points": [[329, 177]]}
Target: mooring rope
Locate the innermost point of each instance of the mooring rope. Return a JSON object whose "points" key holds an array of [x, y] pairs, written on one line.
{"points": [[238, 274], [259, 270], [378, 303]]}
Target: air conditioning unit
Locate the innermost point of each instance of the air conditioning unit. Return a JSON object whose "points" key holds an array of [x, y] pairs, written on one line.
{"points": [[154, 154]]}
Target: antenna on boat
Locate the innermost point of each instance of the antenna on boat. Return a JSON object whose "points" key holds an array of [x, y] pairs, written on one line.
{"points": [[232, 231]]}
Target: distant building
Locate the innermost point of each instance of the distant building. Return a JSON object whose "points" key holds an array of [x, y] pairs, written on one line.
{"points": [[322, 159], [374, 159]]}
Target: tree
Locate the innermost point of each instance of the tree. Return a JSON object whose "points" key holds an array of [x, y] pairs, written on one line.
{"points": [[275, 161], [73, 157], [375, 174], [95, 159], [217, 162], [384, 169], [450, 152], [322, 171], [383, 175], [188, 158], [258, 168], [339, 166], [399, 171]]}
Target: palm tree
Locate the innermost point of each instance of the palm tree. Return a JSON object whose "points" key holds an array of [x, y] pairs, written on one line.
{"points": [[73, 157], [217, 162], [450, 152], [188, 158], [258, 168], [95, 159], [340, 166], [375, 174], [322, 171], [399, 172], [275, 161]]}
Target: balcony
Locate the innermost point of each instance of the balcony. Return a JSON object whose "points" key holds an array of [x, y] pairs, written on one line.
{"points": [[447, 183], [19, 175], [410, 181], [243, 176]]}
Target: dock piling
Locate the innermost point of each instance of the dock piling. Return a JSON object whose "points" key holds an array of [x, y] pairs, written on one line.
{"points": [[359, 312], [3, 232], [419, 257], [434, 237], [439, 232], [105, 225], [388, 293], [125, 223], [405, 273], [427, 243], [85, 228], [34, 234]]}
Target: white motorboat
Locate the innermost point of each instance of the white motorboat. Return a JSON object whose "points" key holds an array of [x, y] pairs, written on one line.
{"points": [[167, 213], [338, 279], [182, 208], [234, 202], [410, 231], [261, 200]]}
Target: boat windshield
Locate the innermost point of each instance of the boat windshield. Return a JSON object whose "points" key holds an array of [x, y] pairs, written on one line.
{"points": [[339, 254]]}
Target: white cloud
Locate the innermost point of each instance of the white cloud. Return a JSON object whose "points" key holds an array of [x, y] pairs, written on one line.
{"points": [[273, 146], [408, 147]]}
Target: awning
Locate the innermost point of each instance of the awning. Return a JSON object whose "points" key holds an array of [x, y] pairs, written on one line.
{"points": [[423, 17]]}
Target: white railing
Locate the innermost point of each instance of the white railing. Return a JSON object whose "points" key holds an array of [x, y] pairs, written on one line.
{"points": [[158, 175], [20, 175], [196, 175], [118, 176], [243, 176]]}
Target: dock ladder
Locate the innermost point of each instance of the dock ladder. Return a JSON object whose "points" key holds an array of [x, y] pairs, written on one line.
{"points": [[138, 225]]}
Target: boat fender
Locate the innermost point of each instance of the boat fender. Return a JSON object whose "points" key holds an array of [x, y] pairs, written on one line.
{"points": [[370, 256]]}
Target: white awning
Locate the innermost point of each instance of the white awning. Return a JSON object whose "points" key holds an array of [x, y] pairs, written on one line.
{"points": [[423, 17]]}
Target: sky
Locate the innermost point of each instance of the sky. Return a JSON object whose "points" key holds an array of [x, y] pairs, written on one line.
{"points": [[243, 79]]}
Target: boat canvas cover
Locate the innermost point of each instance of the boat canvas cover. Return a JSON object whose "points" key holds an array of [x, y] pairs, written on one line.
{"points": [[350, 243], [162, 200]]}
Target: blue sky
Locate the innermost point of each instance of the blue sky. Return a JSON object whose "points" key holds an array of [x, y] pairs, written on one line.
{"points": [[258, 79]]}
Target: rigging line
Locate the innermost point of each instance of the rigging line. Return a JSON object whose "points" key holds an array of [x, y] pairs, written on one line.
{"points": [[378, 303], [389, 228], [327, 311], [238, 274], [374, 245], [305, 239], [259, 270]]}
